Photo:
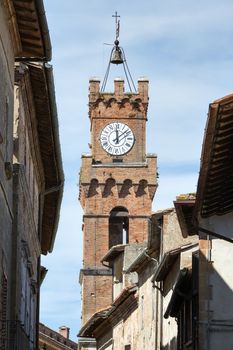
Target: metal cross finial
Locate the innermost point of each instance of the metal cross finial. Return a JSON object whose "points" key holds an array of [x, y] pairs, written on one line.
{"points": [[117, 24]]}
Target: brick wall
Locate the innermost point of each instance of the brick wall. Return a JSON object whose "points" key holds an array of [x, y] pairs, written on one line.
{"points": [[105, 185]]}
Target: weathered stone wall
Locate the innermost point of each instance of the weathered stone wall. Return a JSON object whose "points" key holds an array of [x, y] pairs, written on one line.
{"points": [[26, 244], [138, 328], [172, 236], [6, 148], [172, 239]]}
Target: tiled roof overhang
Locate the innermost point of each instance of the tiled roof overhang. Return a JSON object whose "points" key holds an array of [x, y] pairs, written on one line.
{"points": [[32, 30], [215, 184], [184, 212], [41, 78], [113, 253], [168, 260], [98, 318]]}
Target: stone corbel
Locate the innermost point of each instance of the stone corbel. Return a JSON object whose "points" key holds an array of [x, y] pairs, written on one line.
{"points": [[119, 188], [136, 186], [101, 187]]}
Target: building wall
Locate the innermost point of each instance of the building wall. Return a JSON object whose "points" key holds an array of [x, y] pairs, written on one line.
{"points": [[169, 326], [137, 326], [27, 186], [172, 237], [6, 149], [216, 285], [171, 240]]}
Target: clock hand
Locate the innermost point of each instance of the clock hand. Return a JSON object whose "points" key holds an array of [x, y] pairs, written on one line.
{"points": [[117, 136], [124, 134]]}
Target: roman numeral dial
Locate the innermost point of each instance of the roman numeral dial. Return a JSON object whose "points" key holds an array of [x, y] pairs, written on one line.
{"points": [[117, 138]]}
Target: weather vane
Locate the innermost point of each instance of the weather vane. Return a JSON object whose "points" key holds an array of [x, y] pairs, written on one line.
{"points": [[118, 57], [117, 24]]}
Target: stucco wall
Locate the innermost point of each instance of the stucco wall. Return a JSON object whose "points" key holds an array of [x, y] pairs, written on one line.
{"points": [[216, 285], [172, 236]]}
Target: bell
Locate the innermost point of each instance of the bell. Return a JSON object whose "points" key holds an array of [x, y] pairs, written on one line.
{"points": [[116, 57]]}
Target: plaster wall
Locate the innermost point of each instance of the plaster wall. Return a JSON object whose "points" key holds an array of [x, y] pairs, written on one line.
{"points": [[172, 236], [138, 328], [216, 285]]}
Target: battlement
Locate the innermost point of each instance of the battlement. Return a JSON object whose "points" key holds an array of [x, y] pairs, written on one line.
{"points": [[119, 91]]}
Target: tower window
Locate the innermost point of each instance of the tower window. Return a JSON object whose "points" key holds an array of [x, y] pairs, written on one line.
{"points": [[118, 226]]}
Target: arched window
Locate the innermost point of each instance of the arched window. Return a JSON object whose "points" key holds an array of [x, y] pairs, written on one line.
{"points": [[118, 226]]}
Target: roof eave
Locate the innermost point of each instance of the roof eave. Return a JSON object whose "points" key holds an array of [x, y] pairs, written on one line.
{"points": [[215, 186], [57, 147], [46, 114], [44, 30], [34, 42]]}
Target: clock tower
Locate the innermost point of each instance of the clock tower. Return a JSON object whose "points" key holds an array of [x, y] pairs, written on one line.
{"points": [[117, 185]]}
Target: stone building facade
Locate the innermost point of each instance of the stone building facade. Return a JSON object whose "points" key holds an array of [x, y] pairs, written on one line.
{"points": [[31, 174], [173, 276]]}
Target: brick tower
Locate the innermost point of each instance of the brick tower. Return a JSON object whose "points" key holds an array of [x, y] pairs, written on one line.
{"points": [[117, 185]]}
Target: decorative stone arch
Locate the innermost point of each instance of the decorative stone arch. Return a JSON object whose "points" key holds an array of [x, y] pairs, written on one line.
{"points": [[124, 101], [109, 184], [125, 188], [109, 102], [136, 104], [94, 184], [98, 102], [118, 226], [142, 188]]}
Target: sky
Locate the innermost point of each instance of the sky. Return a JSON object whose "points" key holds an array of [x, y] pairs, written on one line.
{"points": [[185, 50]]}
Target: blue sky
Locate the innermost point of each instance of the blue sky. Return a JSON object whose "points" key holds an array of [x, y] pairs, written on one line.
{"points": [[185, 49]]}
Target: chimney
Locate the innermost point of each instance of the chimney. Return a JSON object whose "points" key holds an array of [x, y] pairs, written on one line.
{"points": [[64, 331]]}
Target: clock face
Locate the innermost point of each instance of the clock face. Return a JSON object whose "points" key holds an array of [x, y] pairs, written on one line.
{"points": [[117, 138]]}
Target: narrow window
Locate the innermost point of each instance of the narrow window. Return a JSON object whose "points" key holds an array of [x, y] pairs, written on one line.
{"points": [[118, 226]]}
